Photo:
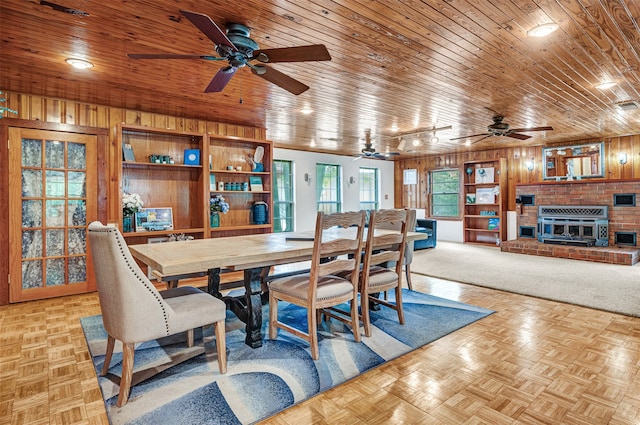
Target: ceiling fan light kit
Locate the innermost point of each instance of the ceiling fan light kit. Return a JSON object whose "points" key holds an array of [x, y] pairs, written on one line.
{"points": [[500, 128], [239, 50]]}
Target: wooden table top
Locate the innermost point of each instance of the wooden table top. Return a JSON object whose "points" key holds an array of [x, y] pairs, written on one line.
{"points": [[234, 252]]}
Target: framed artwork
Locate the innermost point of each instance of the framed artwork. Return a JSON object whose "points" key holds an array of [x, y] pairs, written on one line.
{"points": [[484, 175], [410, 176], [485, 196], [154, 219]]}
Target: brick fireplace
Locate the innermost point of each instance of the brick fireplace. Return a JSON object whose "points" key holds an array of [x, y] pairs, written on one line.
{"points": [[622, 227]]}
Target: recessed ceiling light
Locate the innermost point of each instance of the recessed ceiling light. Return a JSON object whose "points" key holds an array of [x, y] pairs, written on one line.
{"points": [[542, 30], [606, 85], [79, 63], [394, 128], [306, 110]]}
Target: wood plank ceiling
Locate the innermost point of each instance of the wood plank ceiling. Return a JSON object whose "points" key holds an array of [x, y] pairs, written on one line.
{"points": [[410, 64]]}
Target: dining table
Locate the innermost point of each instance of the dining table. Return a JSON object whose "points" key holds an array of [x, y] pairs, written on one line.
{"points": [[255, 255]]}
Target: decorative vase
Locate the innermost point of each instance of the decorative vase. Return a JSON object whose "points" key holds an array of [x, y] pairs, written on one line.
{"points": [[215, 219], [127, 223]]}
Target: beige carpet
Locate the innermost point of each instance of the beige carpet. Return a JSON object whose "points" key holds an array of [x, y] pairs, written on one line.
{"points": [[597, 285]]}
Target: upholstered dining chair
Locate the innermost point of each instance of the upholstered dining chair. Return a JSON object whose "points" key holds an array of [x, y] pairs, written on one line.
{"points": [[133, 310], [382, 264], [408, 250], [321, 288]]}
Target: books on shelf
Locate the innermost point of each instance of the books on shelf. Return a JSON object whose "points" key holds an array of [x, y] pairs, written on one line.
{"points": [[255, 183]]}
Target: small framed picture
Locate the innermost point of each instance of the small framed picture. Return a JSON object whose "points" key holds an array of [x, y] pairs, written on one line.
{"points": [[154, 219], [471, 198]]}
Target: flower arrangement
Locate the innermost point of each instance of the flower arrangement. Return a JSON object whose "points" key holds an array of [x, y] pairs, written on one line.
{"points": [[218, 204], [131, 203]]}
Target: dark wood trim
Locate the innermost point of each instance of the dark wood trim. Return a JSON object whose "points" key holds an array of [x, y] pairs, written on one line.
{"points": [[102, 135]]}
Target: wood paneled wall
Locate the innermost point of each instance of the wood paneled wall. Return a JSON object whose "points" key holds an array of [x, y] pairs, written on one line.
{"points": [[65, 115], [417, 196]]}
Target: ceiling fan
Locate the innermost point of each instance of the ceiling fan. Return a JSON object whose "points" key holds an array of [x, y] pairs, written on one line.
{"points": [[239, 50], [369, 151], [500, 128]]}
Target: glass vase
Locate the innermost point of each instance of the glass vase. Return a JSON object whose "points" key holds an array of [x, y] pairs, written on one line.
{"points": [[127, 223], [215, 219]]}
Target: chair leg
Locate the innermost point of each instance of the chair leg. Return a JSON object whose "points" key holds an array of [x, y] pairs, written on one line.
{"points": [[273, 316], [127, 372], [407, 268], [312, 323], [107, 356], [399, 304], [190, 338], [221, 346], [364, 309], [355, 323]]}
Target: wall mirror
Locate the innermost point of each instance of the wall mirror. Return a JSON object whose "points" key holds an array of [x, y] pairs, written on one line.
{"points": [[573, 162]]}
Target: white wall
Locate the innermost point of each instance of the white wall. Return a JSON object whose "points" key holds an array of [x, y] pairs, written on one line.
{"points": [[305, 198]]}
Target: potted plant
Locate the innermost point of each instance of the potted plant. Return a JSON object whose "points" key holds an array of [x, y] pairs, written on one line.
{"points": [[217, 205], [131, 204]]}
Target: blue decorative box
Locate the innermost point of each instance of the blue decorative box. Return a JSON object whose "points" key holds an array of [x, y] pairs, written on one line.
{"points": [[192, 156]]}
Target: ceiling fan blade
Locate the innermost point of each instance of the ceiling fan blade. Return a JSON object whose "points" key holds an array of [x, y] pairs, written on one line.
{"points": [[357, 158], [316, 52], [171, 56], [209, 28], [518, 136], [519, 130], [281, 80], [221, 79], [482, 138], [473, 135]]}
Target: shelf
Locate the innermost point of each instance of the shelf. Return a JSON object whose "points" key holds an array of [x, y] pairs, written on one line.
{"points": [[482, 216], [252, 173], [132, 164], [241, 192], [163, 232], [475, 224]]}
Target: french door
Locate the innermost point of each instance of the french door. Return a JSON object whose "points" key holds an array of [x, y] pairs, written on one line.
{"points": [[52, 199]]}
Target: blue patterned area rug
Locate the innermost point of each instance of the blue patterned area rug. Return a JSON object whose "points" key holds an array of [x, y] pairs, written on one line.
{"points": [[261, 382]]}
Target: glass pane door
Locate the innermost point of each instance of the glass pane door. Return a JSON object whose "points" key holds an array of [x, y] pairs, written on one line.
{"points": [[53, 202]]}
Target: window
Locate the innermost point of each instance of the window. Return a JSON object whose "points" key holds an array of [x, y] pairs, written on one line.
{"points": [[328, 188], [283, 196], [445, 193], [369, 189]]}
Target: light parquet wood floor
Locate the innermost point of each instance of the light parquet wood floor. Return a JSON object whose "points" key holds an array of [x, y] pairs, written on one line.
{"points": [[532, 362]]}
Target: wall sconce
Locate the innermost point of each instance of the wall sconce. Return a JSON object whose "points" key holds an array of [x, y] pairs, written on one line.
{"points": [[622, 158], [308, 178], [530, 164], [352, 180]]}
